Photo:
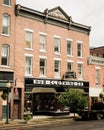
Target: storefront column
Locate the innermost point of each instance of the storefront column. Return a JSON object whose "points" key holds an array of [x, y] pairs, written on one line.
{"points": [[22, 102], [12, 103], [0, 107]]}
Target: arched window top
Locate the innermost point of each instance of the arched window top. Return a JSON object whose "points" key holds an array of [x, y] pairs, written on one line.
{"points": [[5, 24]]}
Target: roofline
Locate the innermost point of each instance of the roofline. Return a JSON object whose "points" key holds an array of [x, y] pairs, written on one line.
{"points": [[71, 23]]}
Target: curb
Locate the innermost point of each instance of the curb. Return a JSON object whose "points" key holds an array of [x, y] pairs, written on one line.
{"points": [[37, 121]]}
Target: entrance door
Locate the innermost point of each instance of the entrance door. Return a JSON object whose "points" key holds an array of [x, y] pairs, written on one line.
{"points": [[16, 109]]}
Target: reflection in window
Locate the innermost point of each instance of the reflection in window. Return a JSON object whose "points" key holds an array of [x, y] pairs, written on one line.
{"points": [[6, 2], [5, 55], [6, 24]]}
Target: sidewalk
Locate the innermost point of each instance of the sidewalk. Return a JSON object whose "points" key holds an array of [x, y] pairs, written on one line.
{"points": [[37, 120]]}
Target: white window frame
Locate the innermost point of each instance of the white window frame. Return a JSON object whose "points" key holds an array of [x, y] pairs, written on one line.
{"points": [[5, 54], [97, 69], [69, 50], [6, 24], [79, 50], [57, 44], [28, 66], [57, 74], [71, 66], [43, 42], [80, 71], [30, 39], [43, 68], [9, 3]]}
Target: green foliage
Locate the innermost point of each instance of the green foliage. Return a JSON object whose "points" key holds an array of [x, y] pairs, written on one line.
{"points": [[27, 116], [73, 99], [4, 96]]}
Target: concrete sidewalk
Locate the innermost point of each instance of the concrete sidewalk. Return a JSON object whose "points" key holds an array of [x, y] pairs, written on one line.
{"points": [[37, 120]]}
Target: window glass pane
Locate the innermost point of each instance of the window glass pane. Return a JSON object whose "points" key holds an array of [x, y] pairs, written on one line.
{"points": [[57, 45], [43, 42], [79, 70], [28, 39], [69, 48], [5, 55], [6, 2], [6, 24], [28, 65], [57, 68], [79, 49], [42, 67], [97, 76], [69, 66]]}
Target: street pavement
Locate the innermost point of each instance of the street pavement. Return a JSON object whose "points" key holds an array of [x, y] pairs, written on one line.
{"points": [[37, 120]]}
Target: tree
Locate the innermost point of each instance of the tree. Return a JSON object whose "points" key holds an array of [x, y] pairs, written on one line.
{"points": [[73, 99]]}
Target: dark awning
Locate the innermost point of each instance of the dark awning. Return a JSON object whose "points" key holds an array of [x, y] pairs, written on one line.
{"points": [[43, 90]]}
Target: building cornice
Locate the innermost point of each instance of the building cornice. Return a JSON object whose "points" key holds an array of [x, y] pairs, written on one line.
{"points": [[47, 18]]}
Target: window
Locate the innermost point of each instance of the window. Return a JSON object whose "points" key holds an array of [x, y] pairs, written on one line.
{"points": [[97, 76], [6, 24], [5, 55], [57, 69], [57, 45], [29, 39], [42, 67], [69, 66], [79, 49], [42, 42], [28, 70], [69, 47], [6, 2], [80, 71]]}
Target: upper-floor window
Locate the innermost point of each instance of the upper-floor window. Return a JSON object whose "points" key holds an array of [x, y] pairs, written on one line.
{"points": [[80, 71], [69, 66], [6, 24], [97, 76], [42, 42], [56, 68], [79, 49], [42, 67], [5, 55], [69, 47], [57, 42], [29, 37], [6, 2], [28, 65]]}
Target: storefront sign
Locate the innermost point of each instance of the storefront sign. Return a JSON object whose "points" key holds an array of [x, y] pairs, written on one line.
{"points": [[57, 82]]}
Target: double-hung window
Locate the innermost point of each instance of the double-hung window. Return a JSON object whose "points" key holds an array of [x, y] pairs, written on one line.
{"points": [[5, 55], [6, 24], [80, 71], [42, 67], [57, 69], [57, 43], [6, 2], [29, 37], [97, 76], [28, 69], [69, 47], [69, 66], [79, 49], [42, 42]]}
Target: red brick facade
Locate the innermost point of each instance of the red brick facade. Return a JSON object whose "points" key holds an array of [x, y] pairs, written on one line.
{"points": [[24, 19]]}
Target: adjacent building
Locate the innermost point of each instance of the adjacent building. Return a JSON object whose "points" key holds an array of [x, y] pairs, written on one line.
{"points": [[42, 54]]}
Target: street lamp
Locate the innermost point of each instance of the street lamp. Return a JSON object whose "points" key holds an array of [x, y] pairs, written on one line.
{"points": [[8, 85]]}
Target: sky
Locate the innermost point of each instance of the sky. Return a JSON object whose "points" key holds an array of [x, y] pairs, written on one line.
{"points": [[86, 12]]}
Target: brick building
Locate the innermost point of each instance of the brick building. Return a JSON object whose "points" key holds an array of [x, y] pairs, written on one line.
{"points": [[42, 53], [97, 51], [96, 69]]}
